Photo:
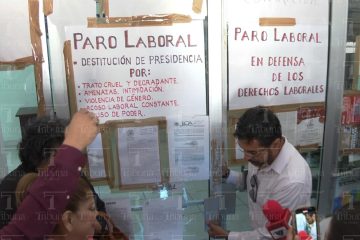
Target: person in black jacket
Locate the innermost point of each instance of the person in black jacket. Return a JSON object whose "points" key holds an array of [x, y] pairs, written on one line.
{"points": [[39, 145]]}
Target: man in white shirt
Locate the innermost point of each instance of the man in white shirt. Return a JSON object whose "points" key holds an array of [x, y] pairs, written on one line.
{"points": [[276, 170], [306, 223], [310, 227]]}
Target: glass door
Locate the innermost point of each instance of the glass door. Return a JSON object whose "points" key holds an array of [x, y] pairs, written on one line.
{"points": [[340, 178], [143, 71]]}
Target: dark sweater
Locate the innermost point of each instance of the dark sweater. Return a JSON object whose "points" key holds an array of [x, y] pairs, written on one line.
{"points": [[31, 221], [8, 198]]}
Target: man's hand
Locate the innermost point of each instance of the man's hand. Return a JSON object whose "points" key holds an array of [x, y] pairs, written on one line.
{"points": [[291, 235], [82, 129], [225, 171], [215, 231]]}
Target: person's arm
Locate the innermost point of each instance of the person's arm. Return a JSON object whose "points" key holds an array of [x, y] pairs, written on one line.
{"points": [[291, 235], [291, 196], [49, 194], [47, 198], [215, 231]]}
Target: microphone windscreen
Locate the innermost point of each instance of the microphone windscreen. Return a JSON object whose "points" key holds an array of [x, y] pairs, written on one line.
{"points": [[273, 210], [303, 235]]}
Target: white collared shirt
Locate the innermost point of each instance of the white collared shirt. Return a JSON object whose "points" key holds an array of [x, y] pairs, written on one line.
{"points": [[287, 180]]}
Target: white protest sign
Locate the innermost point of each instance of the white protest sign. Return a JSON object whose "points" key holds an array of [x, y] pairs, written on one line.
{"points": [[280, 63], [139, 72]]}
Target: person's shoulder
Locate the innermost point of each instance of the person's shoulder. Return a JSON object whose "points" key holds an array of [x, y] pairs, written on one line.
{"points": [[289, 151], [298, 164], [294, 153], [297, 167]]}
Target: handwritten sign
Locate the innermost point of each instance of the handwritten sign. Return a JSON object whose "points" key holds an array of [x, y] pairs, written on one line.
{"points": [[277, 52], [139, 72]]}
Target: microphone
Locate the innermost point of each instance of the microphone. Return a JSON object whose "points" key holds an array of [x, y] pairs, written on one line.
{"points": [[279, 219], [304, 236]]}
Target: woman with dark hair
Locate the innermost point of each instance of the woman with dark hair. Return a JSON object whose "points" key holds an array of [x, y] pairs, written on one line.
{"points": [[26, 223], [79, 217], [40, 142], [41, 139]]}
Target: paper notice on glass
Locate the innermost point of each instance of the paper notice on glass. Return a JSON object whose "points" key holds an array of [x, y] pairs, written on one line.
{"points": [[188, 148], [119, 209], [310, 131], [95, 155], [139, 155], [288, 121], [163, 219]]}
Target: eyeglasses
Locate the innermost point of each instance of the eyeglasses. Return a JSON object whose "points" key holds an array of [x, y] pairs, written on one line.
{"points": [[254, 188], [253, 153], [273, 145]]}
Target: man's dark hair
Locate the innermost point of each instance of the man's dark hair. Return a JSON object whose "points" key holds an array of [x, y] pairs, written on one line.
{"points": [[41, 138], [345, 223], [258, 123]]}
